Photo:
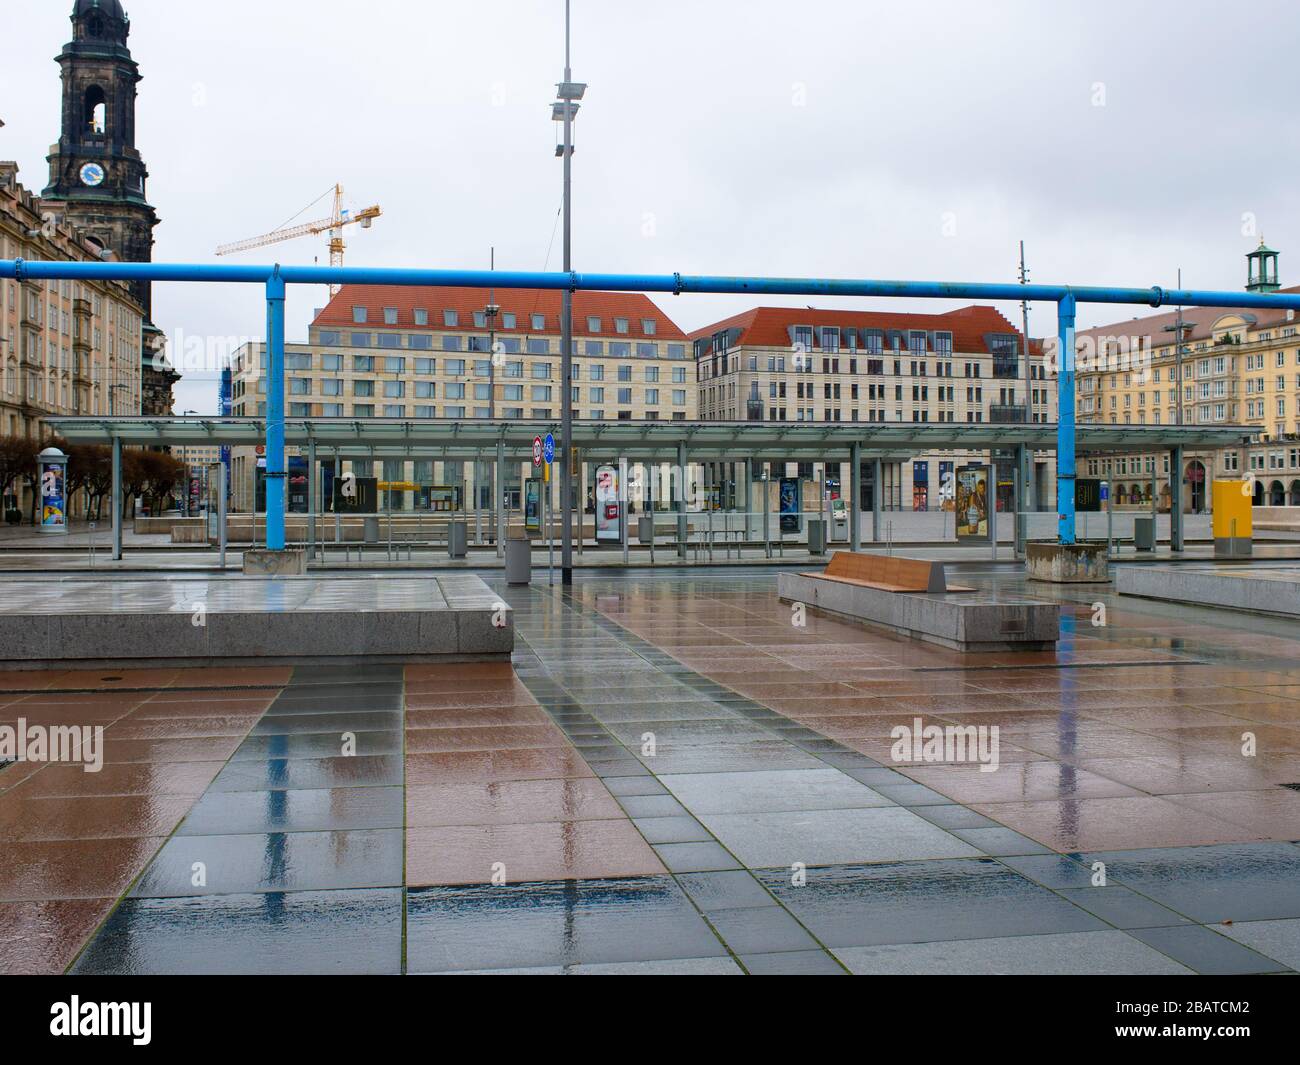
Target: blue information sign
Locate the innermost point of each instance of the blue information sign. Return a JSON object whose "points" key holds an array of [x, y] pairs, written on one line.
{"points": [[548, 449]]}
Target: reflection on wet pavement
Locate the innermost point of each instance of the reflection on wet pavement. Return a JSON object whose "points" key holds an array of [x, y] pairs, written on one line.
{"points": [[672, 777]]}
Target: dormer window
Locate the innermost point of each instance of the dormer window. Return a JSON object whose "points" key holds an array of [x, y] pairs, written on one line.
{"points": [[359, 315], [390, 316]]}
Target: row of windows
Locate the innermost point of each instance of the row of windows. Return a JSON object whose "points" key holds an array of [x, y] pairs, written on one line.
{"points": [[454, 412], [509, 320], [504, 345], [366, 388], [399, 365], [838, 414], [800, 363]]}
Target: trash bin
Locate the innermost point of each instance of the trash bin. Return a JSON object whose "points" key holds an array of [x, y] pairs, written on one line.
{"points": [[645, 528], [370, 529], [457, 539], [519, 562], [816, 536], [1144, 534]]}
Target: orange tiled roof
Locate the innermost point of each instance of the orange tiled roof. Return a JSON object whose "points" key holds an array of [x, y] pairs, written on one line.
{"points": [[522, 302], [1198, 323], [770, 326]]}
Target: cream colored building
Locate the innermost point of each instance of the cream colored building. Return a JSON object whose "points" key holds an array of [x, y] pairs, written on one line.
{"points": [[67, 347], [460, 353], [785, 364], [1238, 366]]}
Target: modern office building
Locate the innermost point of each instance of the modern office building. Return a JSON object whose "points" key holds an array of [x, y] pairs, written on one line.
{"points": [[1237, 366], [465, 353], [779, 364]]}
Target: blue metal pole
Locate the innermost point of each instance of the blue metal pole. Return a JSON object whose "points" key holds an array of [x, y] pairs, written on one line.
{"points": [[1065, 433], [275, 472], [1156, 296]]}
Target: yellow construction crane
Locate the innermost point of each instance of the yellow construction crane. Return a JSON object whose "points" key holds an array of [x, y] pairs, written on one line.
{"points": [[334, 224]]}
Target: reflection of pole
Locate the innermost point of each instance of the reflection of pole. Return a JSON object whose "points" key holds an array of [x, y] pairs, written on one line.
{"points": [[681, 500], [117, 499], [221, 517], [501, 497], [991, 502], [311, 496]]}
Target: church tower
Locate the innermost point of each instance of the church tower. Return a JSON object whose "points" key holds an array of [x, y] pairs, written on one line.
{"points": [[97, 177]]}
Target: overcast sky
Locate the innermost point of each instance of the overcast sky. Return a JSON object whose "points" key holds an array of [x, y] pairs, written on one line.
{"points": [[841, 138]]}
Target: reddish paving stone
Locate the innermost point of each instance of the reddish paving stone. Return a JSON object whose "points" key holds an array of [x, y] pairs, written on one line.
{"points": [[90, 817], [126, 778], [1125, 823], [204, 704], [569, 850], [189, 749], [475, 716], [133, 727], [483, 738], [465, 699], [484, 766], [510, 802], [73, 869], [1015, 782], [41, 938], [1272, 814]]}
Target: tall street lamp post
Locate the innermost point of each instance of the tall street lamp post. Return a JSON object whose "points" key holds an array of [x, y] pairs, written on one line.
{"points": [[564, 110]]}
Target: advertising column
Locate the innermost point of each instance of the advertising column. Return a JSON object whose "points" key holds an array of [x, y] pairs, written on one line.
{"points": [[53, 480], [609, 511], [972, 504]]}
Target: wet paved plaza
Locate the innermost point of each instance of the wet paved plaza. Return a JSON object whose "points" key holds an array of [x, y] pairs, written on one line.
{"points": [[674, 776]]}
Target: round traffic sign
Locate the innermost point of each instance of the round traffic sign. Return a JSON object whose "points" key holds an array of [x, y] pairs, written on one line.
{"points": [[549, 449], [537, 451]]}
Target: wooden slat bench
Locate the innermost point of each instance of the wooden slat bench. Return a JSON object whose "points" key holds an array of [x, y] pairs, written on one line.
{"points": [[887, 574]]}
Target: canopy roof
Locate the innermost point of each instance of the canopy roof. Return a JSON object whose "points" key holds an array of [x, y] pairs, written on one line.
{"points": [[703, 440]]}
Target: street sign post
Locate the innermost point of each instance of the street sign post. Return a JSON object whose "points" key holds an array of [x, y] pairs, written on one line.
{"points": [[548, 456], [537, 451]]}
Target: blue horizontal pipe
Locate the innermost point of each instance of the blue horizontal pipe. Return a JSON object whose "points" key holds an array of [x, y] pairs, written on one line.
{"points": [[1155, 296]]}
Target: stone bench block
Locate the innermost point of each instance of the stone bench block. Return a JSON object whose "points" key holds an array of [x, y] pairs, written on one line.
{"points": [[964, 622]]}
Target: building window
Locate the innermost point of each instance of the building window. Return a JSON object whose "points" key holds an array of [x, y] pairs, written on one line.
{"points": [[359, 315]]}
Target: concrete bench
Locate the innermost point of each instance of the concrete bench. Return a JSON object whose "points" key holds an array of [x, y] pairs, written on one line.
{"points": [[912, 598]]}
